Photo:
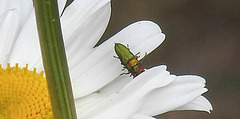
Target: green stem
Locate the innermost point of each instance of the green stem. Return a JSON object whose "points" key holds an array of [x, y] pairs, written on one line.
{"points": [[54, 59]]}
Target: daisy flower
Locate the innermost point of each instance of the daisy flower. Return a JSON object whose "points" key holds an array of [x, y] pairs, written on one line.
{"points": [[100, 92]]}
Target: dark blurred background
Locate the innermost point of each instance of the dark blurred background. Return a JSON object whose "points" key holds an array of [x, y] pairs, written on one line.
{"points": [[202, 37]]}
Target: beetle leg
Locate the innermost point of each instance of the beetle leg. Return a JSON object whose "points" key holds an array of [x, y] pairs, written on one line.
{"points": [[137, 55], [124, 68], [124, 73], [143, 57], [116, 57], [145, 54]]}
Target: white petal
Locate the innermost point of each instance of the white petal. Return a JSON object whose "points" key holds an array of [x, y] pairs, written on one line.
{"points": [[125, 103], [28, 41], [83, 24], [141, 116], [153, 78], [201, 104], [100, 68], [9, 29], [180, 92], [88, 101], [61, 5], [23, 7], [27, 48], [115, 85]]}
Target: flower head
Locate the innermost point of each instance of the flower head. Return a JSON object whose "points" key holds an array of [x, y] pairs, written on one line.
{"points": [[100, 91]]}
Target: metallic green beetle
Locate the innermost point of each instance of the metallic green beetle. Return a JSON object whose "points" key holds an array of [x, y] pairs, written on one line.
{"points": [[128, 60]]}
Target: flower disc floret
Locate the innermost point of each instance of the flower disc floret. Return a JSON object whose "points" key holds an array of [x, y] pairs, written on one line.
{"points": [[23, 94]]}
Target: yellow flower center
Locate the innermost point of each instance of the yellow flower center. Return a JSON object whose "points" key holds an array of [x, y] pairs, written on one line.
{"points": [[23, 94]]}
